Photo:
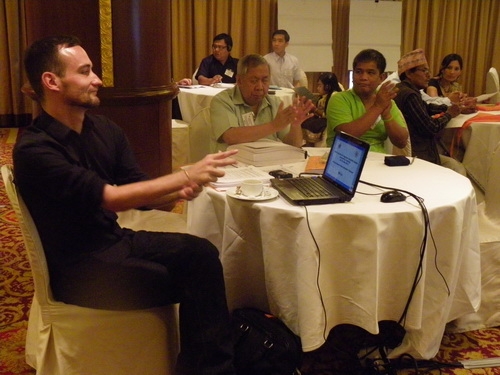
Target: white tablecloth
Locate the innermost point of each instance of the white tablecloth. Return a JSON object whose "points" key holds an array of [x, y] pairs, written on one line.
{"points": [[367, 258], [480, 139], [193, 100]]}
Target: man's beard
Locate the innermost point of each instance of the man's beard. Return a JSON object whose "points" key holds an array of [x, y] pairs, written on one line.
{"points": [[89, 103]]}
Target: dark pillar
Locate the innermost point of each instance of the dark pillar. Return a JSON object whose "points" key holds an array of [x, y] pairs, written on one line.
{"points": [[129, 43]]}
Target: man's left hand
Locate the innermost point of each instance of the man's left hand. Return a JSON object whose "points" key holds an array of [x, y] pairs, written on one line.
{"points": [[303, 109]]}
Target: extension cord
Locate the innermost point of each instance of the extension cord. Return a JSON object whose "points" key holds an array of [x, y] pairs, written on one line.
{"points": [[481, 363]]}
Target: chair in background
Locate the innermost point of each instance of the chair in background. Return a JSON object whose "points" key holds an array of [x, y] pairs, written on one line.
{"points": [[180, 144], [393, 150], [65, 339], [303, 79], [493, 85], [195, 81], [488, 314], [200, 143]]}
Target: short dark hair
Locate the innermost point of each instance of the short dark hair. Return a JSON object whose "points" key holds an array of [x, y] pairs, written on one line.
{"points": [[227, 39], [250, 61], [43, 56], [368, 55], [282, 32]]}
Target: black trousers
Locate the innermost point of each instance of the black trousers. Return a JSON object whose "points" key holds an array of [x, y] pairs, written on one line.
{"points": [[152, 269]]}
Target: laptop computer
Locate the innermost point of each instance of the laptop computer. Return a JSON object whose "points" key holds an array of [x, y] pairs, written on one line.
{"points": [[339, 179]]}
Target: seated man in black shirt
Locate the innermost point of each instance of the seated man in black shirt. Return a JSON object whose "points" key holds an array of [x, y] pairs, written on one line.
{"points": [[75, 171], [220, 66]]}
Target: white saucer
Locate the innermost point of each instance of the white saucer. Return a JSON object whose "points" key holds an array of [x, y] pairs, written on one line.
{"points": [[268, 193]]}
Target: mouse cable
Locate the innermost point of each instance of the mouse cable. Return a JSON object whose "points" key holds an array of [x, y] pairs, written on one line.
{"points": [[418, 273], [427, 229], [420, 201], [317, 273]]}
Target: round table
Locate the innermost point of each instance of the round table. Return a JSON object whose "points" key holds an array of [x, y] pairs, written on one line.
{"points": [[319, 266]]}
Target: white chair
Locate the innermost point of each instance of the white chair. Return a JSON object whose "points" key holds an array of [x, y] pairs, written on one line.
{"points": [[195, 81], [488, 314], [66, 339], [200, 143], [180, 143], [393, 150], [493, 85]]}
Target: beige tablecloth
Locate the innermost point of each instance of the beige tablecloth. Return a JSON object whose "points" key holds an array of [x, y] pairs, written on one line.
{"points": [[355, 262], [479, 139]]}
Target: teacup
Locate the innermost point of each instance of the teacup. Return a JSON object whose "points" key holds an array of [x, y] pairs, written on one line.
{"points": [[252, 188]]}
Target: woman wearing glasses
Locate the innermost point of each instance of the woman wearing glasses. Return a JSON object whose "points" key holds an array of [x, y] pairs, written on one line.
{"points": [[220, 66]]}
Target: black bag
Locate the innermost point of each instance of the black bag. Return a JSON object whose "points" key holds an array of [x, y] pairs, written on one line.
{"points": [[264, 345], [313, 128]]}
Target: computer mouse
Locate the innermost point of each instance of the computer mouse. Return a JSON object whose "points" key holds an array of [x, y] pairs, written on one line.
{"points": [[392, 196]]}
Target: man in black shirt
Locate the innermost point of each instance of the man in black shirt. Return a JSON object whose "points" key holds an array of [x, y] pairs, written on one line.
{"points": [[75, 171], [220, 66]]}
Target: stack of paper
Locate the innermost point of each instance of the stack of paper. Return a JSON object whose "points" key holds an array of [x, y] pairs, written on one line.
{"points": [[262, 153], [235, 176], [484, 97]]}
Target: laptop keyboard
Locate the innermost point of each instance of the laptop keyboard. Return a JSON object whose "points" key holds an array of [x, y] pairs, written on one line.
{"points": [[309, 187]]}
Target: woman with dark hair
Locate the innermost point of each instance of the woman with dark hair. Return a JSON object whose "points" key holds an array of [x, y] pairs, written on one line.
{"points": [[313, 128], [446, 84], [327, 84]]}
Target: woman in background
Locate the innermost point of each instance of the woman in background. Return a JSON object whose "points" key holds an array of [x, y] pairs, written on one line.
{"points": [[326, 86], [446, 84], [313, 128]]}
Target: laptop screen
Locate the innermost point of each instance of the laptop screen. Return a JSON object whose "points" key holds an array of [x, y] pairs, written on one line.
{"points": [[345, 162]]}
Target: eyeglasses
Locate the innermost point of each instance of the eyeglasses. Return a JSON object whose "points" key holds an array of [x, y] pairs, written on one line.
{"points": [[217, 46], [423, 70]]}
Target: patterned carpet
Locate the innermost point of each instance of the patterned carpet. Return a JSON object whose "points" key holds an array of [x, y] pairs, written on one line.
{"points": [[16, 290], [16, 286]]}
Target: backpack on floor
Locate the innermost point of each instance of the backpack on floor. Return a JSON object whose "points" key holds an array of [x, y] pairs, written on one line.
{"points": [[264, 345]]}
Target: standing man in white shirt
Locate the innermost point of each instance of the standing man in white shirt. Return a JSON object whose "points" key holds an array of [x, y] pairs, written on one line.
{"points": [[285, 68]]}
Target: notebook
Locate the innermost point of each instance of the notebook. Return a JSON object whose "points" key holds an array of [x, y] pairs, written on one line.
{"points": [[339, 179]]}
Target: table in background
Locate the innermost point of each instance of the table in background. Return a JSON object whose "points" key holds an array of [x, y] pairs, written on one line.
{"points": [[193, 100], [480, 140], [369, 252]]}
